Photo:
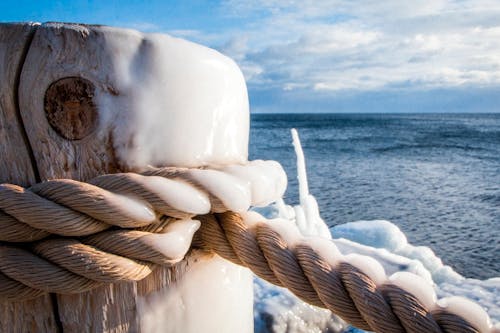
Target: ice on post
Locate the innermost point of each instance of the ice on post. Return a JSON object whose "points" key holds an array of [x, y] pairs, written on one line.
{"points": [[154, 101], [159, 101], [187, 103]]}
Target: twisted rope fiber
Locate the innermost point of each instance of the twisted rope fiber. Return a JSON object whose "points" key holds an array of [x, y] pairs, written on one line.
{"points": [[344, 289], [70, 208], [104, 252], [68, 265], [33, 260]]}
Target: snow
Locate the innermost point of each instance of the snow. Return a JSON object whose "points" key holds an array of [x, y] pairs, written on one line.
{"points": [[379, 234], [177, 103], [485, 292], [277, 310], [185, 105], [415, 268], [391, 262], [381, 250], [386, 242]]}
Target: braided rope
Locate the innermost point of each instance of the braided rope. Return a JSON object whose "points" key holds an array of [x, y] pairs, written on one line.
{"points": [[77, 236], [69, 265], [342, 288], [92, 212]]}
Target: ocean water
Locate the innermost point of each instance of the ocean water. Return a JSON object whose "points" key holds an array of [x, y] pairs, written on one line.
{"points": [[436, 176]]}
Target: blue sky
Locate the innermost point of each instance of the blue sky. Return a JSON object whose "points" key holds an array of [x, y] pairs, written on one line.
{"points": [[325, 56]]}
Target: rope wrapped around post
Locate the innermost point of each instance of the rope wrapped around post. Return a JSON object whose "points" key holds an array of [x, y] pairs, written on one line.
{"points": [[65, 236]]}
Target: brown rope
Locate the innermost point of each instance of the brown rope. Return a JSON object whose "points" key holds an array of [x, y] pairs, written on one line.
{"points": [[43, 216], [343, 289], [67, 207], [98, 214]]}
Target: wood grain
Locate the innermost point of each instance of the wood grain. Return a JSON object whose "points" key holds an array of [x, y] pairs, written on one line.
{"points": [[49, 102], [15, 162], [16, 167], [61, 51], [58, 52]]}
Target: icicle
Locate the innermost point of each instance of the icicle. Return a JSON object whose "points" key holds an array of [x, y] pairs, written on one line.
{"points": [[307, 215]]}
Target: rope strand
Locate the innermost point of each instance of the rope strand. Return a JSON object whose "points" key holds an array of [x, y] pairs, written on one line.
{"points": [[76, 236]]}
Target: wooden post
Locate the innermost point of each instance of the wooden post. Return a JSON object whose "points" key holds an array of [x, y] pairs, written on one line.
{"points": [[17, 167], [52, 127]]}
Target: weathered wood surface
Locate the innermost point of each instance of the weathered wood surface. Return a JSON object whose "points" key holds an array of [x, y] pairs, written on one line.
{"points": [[69, 141], [71, 52], [54, 124], [16, 167], [15, 162]]}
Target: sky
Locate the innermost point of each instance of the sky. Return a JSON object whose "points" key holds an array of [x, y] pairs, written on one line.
{"points": [[325, 56]]}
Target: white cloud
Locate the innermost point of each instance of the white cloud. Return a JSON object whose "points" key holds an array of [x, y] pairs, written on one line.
{"points": [[337, 45], [331, 39], [236, 47]]}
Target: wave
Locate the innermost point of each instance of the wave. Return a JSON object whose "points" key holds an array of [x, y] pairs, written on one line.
{"points": [[490, 198], [439, 146]]}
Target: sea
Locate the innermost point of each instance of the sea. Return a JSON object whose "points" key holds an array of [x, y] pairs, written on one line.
{"points": [[436, 176]]}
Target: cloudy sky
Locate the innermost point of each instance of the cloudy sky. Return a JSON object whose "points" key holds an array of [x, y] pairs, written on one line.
{"points": [[326, 56]]}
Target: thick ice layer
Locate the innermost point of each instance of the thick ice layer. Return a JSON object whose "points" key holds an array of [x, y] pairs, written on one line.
{"points": [[176, 239], [137, 210], [163, 101], [307, 215], [467, 309], [384, 241], [266, 179], [279, 311], [484, 292], [417, 286], [232, 191], [379, 249], [213, 295], [178, 194], [174, 102]]}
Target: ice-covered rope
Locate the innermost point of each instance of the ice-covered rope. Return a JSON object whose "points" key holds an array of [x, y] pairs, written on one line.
{"points": [[314, 270], [66, 236], [75, 236]]}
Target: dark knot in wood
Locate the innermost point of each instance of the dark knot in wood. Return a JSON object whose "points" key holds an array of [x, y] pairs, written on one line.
{"points": [[70, 107]]}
